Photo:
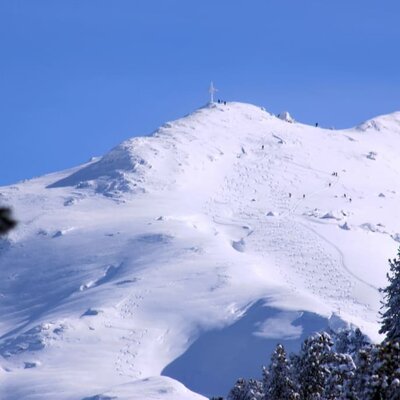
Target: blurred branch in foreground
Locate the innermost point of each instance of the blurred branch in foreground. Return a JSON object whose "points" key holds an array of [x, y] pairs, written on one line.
{"points": [[6, 220]]}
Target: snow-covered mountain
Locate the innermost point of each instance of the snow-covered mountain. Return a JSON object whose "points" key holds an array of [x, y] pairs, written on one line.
{"points": [[173, 264]]}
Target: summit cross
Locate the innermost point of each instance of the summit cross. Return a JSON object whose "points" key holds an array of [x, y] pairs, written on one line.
{"points": [[212, 90]]}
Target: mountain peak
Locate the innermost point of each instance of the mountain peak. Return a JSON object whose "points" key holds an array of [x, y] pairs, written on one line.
{"points": [[127, 166], [246, 227]]}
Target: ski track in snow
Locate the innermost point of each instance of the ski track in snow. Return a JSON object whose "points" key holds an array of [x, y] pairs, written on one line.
{"points": [[132, 339], [304, 243]]}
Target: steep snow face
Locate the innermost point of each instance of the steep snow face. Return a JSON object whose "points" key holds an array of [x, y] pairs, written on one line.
{"points": [[204, 244], [109, 174]]}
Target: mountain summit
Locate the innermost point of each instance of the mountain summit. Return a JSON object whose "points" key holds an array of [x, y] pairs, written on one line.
{"points": [[173, 264]]}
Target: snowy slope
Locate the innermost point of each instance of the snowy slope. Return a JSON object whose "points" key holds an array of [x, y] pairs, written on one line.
{"points": [[183, 254]]}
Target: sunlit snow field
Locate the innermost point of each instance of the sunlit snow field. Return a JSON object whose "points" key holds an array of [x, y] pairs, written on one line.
{"points": [[191, 252]]}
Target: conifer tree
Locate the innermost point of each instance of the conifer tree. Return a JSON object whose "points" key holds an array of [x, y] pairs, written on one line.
{"points": [[362, 383], [310, 366], [384, 380], [387, 368], [349, 341], [278, 383], [255, 390], [339, 380], [238, 390], [246, 390], [391, 305], [379, 378]]}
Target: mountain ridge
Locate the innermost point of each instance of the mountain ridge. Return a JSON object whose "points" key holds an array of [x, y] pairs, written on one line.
{"points": [[125, 158]]}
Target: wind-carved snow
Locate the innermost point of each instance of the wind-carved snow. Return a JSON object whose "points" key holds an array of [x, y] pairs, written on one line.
{"points": [[384, 122], [285, 116], [127, 168], [164, 256], [120, 170]]}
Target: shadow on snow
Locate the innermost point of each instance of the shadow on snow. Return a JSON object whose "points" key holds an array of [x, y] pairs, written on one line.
{"points": [[212, 364]]}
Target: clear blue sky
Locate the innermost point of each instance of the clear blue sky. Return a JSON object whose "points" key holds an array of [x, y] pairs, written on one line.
{"points": [[79, 76]]}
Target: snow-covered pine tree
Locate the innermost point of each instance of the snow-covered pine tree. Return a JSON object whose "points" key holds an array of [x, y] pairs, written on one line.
{"points": [[278, 383], [391, 305], [238, 390], [255, 390], [361, 386], [378, 367], [265, 377], [310, 366], [349, 341], [341, 340], [341, 373], [388, 368], [378, 376], [246, 390], [358, 341]]}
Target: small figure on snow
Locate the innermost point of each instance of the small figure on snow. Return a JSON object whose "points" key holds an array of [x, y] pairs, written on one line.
{"points": [[262, 147]]}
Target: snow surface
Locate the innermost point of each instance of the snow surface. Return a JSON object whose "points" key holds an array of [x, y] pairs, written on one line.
{"points": [[182, 254]]}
